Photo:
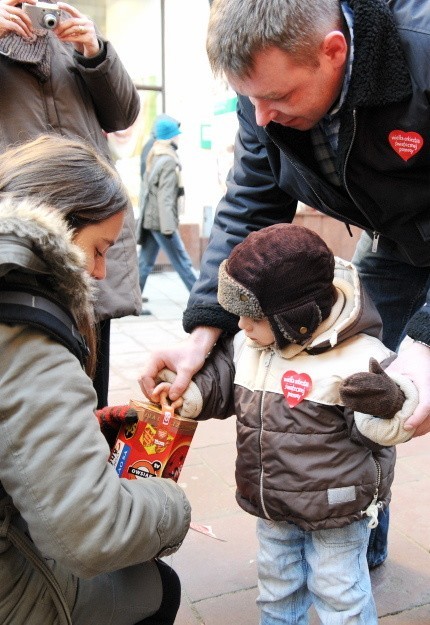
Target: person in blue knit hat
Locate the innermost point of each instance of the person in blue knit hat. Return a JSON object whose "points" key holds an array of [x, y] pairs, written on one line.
{"points": [[148, 145], [161, 191]]}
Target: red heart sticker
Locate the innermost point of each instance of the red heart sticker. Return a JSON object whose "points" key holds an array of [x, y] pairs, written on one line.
{"points": [[296, 387], [406, 144]]}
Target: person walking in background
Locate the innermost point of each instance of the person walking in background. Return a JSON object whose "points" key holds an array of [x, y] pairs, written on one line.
{"points": [[161, 191], [78, 544], [145, 151], [304, 467], [148, 145], [70, 81]]}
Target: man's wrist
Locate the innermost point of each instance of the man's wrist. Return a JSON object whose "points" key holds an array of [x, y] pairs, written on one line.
{"points": [[418, 328], [205, 338]]}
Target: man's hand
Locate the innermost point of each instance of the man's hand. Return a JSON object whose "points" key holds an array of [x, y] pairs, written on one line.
{"points": [[185, 359], [413, 361]]}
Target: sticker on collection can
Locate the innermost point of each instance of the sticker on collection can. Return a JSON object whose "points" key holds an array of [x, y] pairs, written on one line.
{"points": [[119, 455]]}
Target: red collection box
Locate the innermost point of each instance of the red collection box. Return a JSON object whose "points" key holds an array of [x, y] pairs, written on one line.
{"points": [[155, 446]]}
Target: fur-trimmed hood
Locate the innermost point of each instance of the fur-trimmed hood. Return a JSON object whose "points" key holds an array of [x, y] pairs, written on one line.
{"points": [[35, 240]]}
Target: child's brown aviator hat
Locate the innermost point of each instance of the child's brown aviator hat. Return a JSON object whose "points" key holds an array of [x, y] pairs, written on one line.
{"points": [[285, 273]]}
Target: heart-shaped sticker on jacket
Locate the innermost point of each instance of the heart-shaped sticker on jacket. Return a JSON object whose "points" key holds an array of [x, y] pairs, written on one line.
{"points": [[296, 386], [406, 144]]}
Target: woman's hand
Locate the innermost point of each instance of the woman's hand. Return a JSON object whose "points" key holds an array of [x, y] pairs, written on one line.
{"points": [[14, 20], [79, 30]]}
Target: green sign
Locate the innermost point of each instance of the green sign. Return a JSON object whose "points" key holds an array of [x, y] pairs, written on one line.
{"points": [[206, 136], [226, 106]]}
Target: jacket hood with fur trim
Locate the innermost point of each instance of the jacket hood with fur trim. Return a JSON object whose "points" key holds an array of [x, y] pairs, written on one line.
{"points": [[36, 241]]}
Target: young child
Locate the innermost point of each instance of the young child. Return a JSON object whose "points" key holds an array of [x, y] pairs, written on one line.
{"points": [[303, 467]]}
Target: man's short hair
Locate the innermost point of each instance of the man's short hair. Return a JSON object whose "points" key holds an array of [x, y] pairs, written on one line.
{"points": [[238, 29]]}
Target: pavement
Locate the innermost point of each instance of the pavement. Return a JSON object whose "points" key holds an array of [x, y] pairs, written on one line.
{"points": [[216, 562]]}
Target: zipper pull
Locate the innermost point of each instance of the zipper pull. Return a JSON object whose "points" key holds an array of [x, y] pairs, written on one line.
{"points": [[375, 242], [372, 512]]}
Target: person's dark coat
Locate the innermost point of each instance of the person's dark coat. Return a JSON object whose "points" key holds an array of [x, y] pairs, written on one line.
{"points": [[80, 99]]}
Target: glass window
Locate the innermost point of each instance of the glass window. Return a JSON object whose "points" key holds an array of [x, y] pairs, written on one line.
{"points": [[136, 30], [95, 9]]}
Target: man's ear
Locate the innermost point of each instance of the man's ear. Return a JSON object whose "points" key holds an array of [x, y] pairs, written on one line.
{"points": [[335, 48]]}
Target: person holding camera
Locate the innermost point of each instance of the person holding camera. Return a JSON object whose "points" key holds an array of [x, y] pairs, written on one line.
{"points": [[77, 543], [59, 75]]}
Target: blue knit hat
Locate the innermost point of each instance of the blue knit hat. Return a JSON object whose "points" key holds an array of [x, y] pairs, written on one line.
{"points": [[166, 129]]}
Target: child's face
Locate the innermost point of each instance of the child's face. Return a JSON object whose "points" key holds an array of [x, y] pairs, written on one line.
{"points": [[259, 330]]}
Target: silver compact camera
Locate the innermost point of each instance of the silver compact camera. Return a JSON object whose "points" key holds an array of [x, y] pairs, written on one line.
{"points": [[42, 14]]}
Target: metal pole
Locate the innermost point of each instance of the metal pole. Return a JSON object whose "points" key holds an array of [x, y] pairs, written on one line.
{"points": [[163, 58]]}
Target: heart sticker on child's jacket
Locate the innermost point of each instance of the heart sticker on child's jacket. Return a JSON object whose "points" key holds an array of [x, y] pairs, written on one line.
{"points": [[296, 386]]}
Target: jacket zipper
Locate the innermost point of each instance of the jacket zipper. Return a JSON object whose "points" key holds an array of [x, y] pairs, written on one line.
{"points": [[375, 505], [328, 210], [376, 234], [267, 362], [375, 241]]}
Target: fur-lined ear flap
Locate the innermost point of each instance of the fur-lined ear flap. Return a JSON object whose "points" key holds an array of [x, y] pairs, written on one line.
{"points": [[295, 325]]}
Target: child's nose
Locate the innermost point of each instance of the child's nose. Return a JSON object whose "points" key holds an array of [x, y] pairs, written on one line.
{"points": [[245, 323]]}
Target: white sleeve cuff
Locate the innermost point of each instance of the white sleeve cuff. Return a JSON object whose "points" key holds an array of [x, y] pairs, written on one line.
{"points": [[193, 400], [389, 432]]}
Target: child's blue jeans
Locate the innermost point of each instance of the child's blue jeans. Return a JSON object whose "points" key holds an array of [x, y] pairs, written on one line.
{"points": [[326, 567]]}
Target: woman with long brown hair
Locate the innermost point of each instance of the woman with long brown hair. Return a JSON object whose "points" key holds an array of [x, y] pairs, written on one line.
{"points": [[78, 544]]}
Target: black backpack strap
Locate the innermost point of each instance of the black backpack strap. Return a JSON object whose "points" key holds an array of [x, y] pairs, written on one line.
{"points": [[19, 307]]}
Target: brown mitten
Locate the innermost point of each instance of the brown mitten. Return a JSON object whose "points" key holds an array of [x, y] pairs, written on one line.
{"points": [[373, 393], [111, 418]]}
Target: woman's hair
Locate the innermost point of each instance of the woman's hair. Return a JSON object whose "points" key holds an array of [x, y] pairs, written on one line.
{"points": [[239, 29], [71, 177]]}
